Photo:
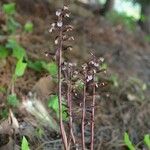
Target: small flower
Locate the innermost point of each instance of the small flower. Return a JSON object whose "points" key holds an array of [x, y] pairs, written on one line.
{"points": [[101, 59], [96, 64], [84, 66], [58, 13], [76, 72], [65, 8], [64, 68], [59, 23], [52, 27], [89, 78], [70, 64], [51, 30], [53, 24], [67, 15], [71, 38], [56, 40], [96, 85], [92, 62], [94, 70]]}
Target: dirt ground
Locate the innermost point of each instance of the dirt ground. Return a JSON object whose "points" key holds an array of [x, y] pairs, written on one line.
{"points": [[120, 108]]}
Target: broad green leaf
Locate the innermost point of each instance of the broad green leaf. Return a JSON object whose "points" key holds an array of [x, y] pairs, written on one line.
{"points": [[3, 52], [51, 68], [128, 142], [37, 65], [147, 140], [12, 100], [20, 68], [53, 103], [9, 8], [18, 50], [28, 27], [24, 144]]}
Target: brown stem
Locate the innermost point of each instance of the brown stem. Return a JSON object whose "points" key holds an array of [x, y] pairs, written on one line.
{"points": [[92, 117], [69, 100], [83, 115], [63, 133]]}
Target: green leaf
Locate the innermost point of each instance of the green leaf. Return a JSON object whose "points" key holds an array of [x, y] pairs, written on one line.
{"points": [[3, 52], [12, 100], [147, 140], [37, 65], [12, 25], [9, 8], [20, 68], [18, 50], [53, 103], [4, 113], [24, 144], [51, 68], [128, 142], [28, 27]]}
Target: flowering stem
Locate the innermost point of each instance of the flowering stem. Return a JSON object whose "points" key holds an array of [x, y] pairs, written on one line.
{"points": [[63, 133], [69, 97], [83, 115], [92, 117]]}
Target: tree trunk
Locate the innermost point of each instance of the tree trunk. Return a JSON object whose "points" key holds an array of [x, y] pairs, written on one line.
{"points": [[145, 18], [107, 7]]}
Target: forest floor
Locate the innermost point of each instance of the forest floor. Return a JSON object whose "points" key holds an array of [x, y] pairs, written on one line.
{"points": [[123, 105]]}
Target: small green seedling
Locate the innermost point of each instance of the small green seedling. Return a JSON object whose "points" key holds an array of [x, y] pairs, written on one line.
{"points": [[24, 144], [128, 142], [28, 27]]}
